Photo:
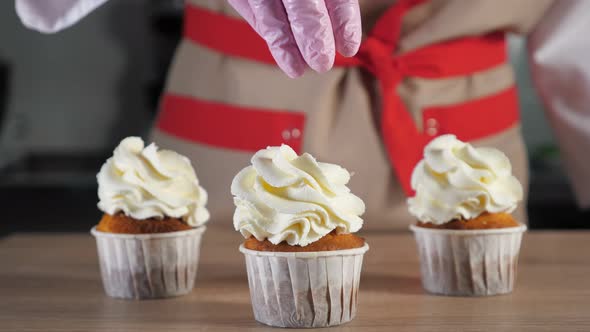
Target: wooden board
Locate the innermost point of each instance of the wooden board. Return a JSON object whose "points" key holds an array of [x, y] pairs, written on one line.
{"points": [[52, 283]]}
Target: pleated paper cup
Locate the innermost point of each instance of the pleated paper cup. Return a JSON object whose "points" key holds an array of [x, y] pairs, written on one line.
{"points": [[304, 289], [145, 266], [468, 262]]}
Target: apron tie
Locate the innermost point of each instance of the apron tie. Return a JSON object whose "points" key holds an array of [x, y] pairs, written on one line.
{"points": [[402, 140]]}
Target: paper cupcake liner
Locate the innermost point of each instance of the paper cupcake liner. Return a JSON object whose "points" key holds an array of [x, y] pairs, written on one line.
{"points": [[304, 289], [468, 262], [143, 266]]}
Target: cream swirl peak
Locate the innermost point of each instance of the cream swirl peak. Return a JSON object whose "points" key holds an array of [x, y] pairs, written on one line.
{"points": [[150, 183], [457, 181], [286, 197]]}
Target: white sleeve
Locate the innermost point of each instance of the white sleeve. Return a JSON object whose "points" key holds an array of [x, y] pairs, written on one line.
{"points": [[559, 52], [50, 16]]}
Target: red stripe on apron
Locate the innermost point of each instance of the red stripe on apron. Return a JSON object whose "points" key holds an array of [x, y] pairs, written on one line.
{"points": [[464, 120], [208, 123]]}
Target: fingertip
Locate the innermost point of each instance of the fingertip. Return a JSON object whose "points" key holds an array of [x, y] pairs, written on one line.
{"points": [[348, 40], [346, 19], [322, 62], [348, 49], [292, 70], [290, 61], [272, 24], [312, 30], [293, 74]]}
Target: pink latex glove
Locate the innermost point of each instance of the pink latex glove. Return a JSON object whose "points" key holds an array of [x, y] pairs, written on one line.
{"points": [[305, 32]]}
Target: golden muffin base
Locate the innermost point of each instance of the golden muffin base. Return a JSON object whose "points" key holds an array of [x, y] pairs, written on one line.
{"points": [[330, 242], [483, 221], [123, 224]]}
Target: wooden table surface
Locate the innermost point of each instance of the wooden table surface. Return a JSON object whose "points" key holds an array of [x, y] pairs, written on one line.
{"points": [[52, 283]]}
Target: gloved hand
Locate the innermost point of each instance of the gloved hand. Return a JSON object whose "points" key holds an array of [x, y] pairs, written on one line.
{"points": [[305, 32]]}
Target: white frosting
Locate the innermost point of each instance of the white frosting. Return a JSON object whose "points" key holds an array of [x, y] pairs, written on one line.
{"points": [[457, 181], [286, 197], [150, 183]]}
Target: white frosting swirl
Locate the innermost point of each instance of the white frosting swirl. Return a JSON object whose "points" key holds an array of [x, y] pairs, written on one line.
{"points": [[151, 183], [457, 181], [285, 197]]}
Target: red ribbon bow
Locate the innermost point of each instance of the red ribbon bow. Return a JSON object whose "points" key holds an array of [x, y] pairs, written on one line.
{"points": [[403, 140]]}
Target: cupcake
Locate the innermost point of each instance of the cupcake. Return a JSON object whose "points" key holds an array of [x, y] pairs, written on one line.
{"points": [[297, 216], [468, 241], [149, 237]]}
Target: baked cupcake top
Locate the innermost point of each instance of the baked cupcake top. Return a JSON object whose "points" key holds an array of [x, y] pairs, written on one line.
{"points": [[146, 183], [291, 198], [456, 181]]}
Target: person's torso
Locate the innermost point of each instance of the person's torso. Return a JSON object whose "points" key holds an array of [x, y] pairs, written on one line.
{"points": [[333, 116]]}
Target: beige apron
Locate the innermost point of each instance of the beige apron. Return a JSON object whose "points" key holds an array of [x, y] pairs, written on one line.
{"points": [[340, 105]]}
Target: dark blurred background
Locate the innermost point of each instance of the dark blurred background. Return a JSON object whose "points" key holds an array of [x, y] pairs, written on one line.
{"points": [[67, 99]]}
